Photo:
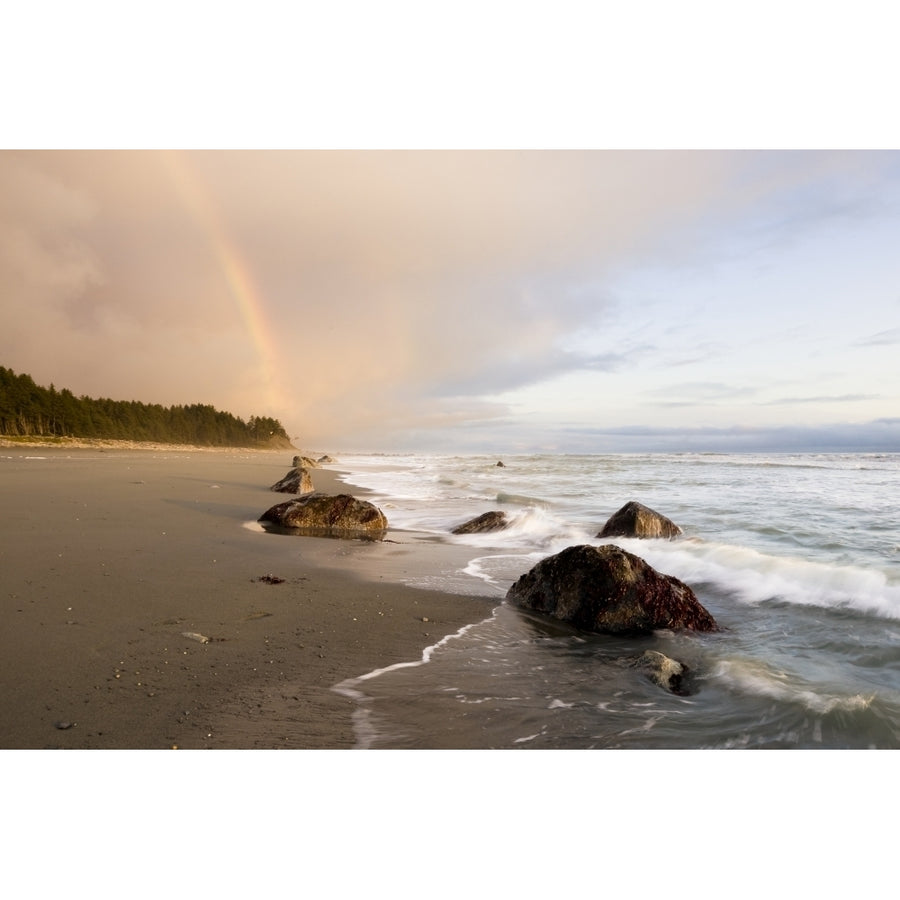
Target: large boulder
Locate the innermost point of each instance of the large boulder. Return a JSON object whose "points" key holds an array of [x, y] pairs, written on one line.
{"points": [[639, 521], [326, 515], [609, 591], [297, 481], [304, 461], [489, 521]]}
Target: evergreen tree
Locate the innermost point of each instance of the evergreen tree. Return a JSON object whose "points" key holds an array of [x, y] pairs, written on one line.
{"points": [[27, 409]]}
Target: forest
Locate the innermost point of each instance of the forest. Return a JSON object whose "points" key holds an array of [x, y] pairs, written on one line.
{"points": [[29, 410]]}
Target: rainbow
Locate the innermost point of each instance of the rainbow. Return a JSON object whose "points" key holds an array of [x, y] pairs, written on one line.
{"points": [[234, 268]]}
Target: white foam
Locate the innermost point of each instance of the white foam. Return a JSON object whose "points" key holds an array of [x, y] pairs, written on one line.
{"points": [[756, 677], [349, 687], [531, 528], [647, 726], [753, 577], [493, 569]]}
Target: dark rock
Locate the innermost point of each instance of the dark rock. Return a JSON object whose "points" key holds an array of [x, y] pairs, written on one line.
{"points": [[608, 590], [304, 461], [326, 515], [489, 521], [297, 481], [501, 464], [667, 673], [325, 460], [639, 521]]}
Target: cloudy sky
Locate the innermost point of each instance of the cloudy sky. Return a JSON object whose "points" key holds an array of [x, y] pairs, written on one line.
{"points": [[468, 300]]}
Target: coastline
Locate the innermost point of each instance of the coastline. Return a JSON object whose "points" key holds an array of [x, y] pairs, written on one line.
{"points": [[72, 443], [110, 558]]}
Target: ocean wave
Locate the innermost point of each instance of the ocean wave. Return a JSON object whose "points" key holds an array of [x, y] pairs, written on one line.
{"points": [[751, 531], [741, 574], [520, 500], [756, 677], [753, 577], [534, 528]]}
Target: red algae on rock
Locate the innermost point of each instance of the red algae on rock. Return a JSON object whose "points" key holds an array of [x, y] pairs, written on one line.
{"points": [[608, 590]]}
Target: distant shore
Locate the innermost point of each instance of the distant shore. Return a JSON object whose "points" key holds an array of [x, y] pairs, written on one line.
{"points": [[73, 443], [115, 568]]}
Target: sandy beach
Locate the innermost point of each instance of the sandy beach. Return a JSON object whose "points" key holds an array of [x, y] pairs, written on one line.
{"points": [[110, 556]]}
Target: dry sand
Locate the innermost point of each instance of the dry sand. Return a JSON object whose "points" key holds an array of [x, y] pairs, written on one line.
{"points": [[108, 556]]}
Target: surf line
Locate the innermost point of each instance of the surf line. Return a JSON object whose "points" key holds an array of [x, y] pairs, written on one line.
{"points": [[234, 268], [366, 733]]}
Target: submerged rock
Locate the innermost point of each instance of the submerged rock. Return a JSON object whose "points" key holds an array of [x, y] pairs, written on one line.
{"points": [[489, 521], [639, 521], [609, 591], [327, 515], [667, 673], [297, 481]]}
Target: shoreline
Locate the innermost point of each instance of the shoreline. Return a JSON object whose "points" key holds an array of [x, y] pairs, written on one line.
{"points": [[109, 563]]}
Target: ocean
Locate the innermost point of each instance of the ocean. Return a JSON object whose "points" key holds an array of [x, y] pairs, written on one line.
{"points": [[797, 556]]}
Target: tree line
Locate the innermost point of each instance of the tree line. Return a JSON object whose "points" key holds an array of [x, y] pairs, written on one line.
{"points": [[27, 409]]}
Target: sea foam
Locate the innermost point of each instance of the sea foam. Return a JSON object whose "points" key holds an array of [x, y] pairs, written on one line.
{"points": [[366, 732], [756, 677], [754, 577]]}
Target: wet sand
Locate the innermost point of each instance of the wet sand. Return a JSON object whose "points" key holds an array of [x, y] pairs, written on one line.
{"points": [[108, 556]]}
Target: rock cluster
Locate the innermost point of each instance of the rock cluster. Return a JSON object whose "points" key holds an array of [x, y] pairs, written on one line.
{"points": [[610, 591], [603, 589]]}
